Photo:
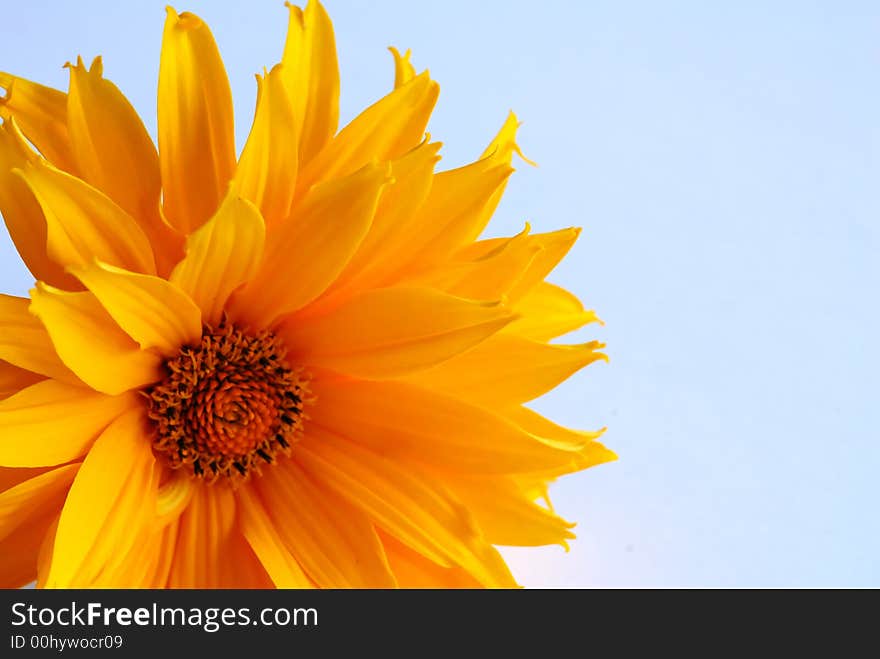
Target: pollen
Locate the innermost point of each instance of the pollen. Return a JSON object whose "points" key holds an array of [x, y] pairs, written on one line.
{"points": [[228, 406]]}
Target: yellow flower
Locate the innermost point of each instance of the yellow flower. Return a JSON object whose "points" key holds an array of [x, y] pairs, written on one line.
{"points": [[297, 368]]}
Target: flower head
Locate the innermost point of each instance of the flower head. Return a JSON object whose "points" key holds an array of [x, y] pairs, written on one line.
{"points": [[297, 367]]}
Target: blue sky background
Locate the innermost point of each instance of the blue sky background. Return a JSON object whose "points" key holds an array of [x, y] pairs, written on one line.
{"points": [[722, 159]]}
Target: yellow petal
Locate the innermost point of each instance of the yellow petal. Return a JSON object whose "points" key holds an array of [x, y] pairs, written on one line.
{"points": [[21, 549], [205, 529], [221, 255], [311, 76], [196, 130], [51, 423], [307, 254], [548, 311], [548, 431], [384, 131], [152, 311], [41, 112], [309, 520], [392, 232], [84, 224], [209, 550], [100, 119], [412, 570], [408, 505], [266, 172], [267, 544], [463, 200], [591, 455], [90, 342], [507, 516], [403, 68], [401, 420], [457, 210], [487, 276], [137, 567], [507, 369], [109, 504], [13, 379], [504, 144], [34, 497], [390, 331], [25, 343], [587, 451], [21, 212], [554, 246]]}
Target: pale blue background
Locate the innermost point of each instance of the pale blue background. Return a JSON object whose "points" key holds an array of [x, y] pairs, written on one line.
{"points": [[722, 158]]}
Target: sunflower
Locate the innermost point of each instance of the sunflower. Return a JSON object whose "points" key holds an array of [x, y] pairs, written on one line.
{"points": [[301, 367]]}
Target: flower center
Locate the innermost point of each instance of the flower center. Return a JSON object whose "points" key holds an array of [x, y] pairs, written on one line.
{"points": [[228, 405]]}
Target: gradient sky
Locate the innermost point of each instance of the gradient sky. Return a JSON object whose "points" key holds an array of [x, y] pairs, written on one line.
{"points": [[722, 159]]}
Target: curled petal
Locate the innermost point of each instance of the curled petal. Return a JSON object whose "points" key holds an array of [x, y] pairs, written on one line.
{"points": [[41, 112], [196, 130], [311, 76], [91, 344]]}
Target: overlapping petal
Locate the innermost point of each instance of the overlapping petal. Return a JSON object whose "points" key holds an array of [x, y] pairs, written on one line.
{"points": [[412, 570], [20, 550], [221, 255], [41, 112], [258, 528], [408, 422], [393, 228], [208, 551], [308, 253], [99, 120], [457, 209], [33, 498], [91, 344], [25, 342], [507, 369], [387, 332], [13, 379], [386, 130], [21, 211], [409, 505], [548, 311], [309, 520], [50, 423], [507, 515], [152, 311], [83, 224]]}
